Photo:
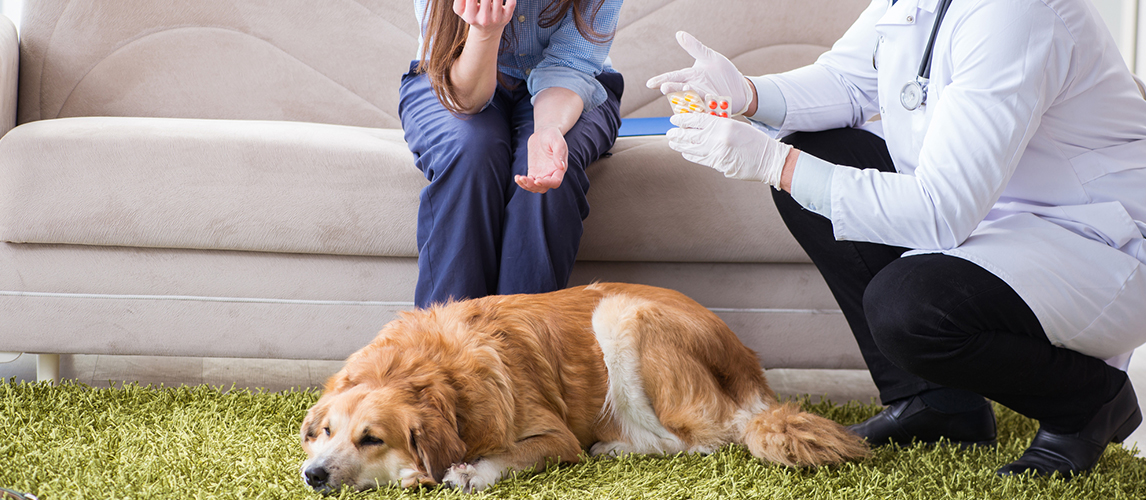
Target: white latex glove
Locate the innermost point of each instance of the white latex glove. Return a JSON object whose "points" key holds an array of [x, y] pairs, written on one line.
{"points": [[712, 73], [733, 147]]}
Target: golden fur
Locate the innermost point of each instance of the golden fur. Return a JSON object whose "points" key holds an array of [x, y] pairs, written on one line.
{"points": [[462, 393]]}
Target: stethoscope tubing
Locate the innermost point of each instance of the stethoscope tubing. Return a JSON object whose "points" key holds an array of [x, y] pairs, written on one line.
{"points": [[925, 64]]}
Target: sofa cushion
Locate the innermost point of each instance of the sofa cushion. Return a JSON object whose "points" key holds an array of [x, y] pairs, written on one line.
{"points": [[211, 184], [299, 60], [294, 187], [647, 203]]}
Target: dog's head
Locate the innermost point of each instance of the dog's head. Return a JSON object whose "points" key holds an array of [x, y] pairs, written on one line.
{"points": [[364, 436]]}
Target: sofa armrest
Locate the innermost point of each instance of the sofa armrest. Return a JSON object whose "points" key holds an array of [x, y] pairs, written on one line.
{"points": [[9, 73]]}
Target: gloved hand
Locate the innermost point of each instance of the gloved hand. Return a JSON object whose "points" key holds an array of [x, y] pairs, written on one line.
{"points": [[712, 73], [733, 147]]}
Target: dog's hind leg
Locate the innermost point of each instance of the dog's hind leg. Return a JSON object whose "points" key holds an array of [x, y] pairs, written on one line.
{"points": [[675, 366], [617, 324], [679, 380]]}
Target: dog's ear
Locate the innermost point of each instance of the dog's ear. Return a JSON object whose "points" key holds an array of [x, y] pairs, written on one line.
{"points": [[310, 424], [434, 439], [339, 382]]}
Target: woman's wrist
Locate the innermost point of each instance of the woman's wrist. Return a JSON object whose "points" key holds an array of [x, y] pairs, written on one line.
{"points": [[556, 107], [484, 36]]}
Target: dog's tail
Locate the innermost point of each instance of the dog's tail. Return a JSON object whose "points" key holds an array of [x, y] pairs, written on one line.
{"points": [[785, 434]]}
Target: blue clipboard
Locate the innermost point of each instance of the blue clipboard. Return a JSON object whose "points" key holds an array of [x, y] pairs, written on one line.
{"points": [[644, 126]]}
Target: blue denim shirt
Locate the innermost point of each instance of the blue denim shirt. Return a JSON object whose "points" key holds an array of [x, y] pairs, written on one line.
{"points": [[557, 56]]}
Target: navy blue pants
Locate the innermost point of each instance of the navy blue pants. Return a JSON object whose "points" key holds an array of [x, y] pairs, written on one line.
{"points": [[479, 233]]}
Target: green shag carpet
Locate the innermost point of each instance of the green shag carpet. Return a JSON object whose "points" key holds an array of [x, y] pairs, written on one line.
{"points": [[75, 442]]}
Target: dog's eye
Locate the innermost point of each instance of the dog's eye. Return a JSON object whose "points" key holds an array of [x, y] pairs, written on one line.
{"points": [[326, 430], [368, 440]]}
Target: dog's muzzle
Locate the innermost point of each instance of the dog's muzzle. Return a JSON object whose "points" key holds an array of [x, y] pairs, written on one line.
{"points": [[317, 477]]}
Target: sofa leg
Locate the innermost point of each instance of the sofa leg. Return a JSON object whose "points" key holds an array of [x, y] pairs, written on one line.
{"points": [[48, 368]]}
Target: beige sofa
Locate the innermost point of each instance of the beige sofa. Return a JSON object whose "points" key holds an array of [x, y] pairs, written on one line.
{"points": [[227, 178]]}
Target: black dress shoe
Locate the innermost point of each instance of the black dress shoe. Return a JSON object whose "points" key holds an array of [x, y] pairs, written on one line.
{"points": [[911, 419], [1070, 454]]}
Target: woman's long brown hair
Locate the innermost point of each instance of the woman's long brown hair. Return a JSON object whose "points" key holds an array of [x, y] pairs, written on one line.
{"points": [[446, 36]]}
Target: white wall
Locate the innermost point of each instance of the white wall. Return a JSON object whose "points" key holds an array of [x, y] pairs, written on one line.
{"points": [[12, 8], [1140, 29], [1121, 17]]}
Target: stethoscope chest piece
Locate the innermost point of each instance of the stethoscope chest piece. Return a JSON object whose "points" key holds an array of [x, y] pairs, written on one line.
{"points": [[914, 94]]}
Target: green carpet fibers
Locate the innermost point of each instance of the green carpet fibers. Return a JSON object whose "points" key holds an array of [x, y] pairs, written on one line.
{"points": [[73, 441]]}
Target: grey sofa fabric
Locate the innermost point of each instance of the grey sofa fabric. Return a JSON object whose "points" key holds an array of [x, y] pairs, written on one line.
{"points": [[227, 178], [264, 186]]}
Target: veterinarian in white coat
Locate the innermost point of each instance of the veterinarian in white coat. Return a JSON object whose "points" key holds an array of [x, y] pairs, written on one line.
{"points": [[984, 236]]}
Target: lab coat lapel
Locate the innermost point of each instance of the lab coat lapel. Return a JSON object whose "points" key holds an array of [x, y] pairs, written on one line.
{"points": [[902, 32]]}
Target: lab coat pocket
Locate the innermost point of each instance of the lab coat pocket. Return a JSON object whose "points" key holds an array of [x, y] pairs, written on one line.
{"points": [[1099, 162], [1106, 222]]}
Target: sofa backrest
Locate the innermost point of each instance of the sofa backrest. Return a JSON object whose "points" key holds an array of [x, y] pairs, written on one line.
{"points": [[340, 62]]}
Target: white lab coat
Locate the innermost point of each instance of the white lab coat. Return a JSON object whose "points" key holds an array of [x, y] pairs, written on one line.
{"points": [[1029, 158]]}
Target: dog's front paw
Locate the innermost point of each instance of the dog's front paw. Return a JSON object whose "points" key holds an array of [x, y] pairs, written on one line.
{"points": [[468, 478], [611, 448], [410, 478]]}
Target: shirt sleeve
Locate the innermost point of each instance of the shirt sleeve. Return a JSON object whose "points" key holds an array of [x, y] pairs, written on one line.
{"points": [[771, 107], [812, 184], [573, 62]]}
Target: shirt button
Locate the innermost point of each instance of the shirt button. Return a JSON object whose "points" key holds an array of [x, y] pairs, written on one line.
{"points": [[881, 111], [521, 55], [527, 71], [911, 19], [521, 19]]}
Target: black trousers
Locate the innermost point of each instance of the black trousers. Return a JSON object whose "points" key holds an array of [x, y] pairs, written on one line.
{"points": [[934, 321]]}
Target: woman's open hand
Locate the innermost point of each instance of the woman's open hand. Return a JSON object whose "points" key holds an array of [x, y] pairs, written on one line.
{"points": [[548, 159]]}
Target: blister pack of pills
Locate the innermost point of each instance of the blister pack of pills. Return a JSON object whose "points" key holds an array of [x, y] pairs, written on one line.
{"points": [[689, 101]]}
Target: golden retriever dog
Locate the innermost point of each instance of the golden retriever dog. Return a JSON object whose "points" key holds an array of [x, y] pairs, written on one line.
{"points": [[464, 393]]}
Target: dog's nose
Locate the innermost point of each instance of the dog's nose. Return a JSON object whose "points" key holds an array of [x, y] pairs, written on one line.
{"points": [[316, 477]]}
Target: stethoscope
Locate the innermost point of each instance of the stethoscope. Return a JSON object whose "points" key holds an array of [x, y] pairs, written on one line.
{"points": [[914, 93]]}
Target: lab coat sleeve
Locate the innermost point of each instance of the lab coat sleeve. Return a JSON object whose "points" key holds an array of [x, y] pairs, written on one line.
{"points": [[1009, 60], [839, 89]]}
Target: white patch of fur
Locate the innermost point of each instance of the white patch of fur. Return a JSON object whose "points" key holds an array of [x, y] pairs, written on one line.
{"points": [[626, 400], [409, 476], [317, 454], [745, 414], [474, 477], [389, 470]]}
